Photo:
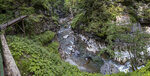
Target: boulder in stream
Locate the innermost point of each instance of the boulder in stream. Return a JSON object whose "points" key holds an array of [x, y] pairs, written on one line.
{"points": [[108, 68]]}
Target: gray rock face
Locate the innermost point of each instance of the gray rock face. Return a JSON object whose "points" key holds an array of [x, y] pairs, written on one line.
{"points": [[108, 68]]}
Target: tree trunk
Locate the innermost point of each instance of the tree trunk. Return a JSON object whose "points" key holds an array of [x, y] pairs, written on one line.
{"points": [[11, 67]]}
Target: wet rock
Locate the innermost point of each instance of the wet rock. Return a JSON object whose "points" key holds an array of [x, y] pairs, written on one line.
{"points": [[147, 30], [80, 50], [71, 61], [92, 45], [121, 60], [105, 55], [76, 53], [123, 20], [136, 26], [66, 36], [108, 68], [141, 62], [148, 51], [122, 57], [62, 54]]}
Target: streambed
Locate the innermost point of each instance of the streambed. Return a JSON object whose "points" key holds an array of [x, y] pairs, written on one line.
{"points": [[80, 51]]}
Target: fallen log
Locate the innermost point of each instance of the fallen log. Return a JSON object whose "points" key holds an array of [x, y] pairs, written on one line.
{"points": [[11, 67], [3, 26]]}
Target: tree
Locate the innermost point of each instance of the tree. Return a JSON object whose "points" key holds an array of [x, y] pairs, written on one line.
{"points": [[134, 42]]}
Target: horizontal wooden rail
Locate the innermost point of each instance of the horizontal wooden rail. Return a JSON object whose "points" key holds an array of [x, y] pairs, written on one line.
{"points": [[3, 26]]}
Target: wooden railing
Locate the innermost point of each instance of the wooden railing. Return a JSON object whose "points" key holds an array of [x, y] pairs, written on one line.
{"points": [[5, 55], [3, 26]]}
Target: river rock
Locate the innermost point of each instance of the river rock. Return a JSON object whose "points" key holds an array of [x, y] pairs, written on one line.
{"points": [[92, 45], [123, 20], [147, 30], [122, 57], [121, 60], [66, 36], [108, 68]]}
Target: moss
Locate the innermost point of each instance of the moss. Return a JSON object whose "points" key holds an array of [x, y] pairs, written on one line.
{"points": [[133, 19], [53, 46], [147, 13], [5, 18], [27, 10], [45, 37], [35, 18], [55, 19], [76, 19]]}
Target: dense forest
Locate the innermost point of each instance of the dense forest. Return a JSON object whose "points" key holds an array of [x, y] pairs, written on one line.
{"points": [[77, 37]]}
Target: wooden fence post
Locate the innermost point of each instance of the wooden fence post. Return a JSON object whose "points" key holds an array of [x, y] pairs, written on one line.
{"points": [[11, 67]]}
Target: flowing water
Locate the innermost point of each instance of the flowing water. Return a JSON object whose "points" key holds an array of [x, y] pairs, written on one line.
{"points": [[80, 51]]}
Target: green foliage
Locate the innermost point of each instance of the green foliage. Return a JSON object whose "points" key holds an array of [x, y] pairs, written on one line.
{"points": [[53, 46], [27, 10], [145, 71], [98, 17], [118, 74], [35, 59], [95, 15], [5, 17], [136, 41], [35, 18], [147, 13], [112, 31], [76, 19], [109, 51], [71, 5], [33, 23], [55, 20], [45, 37], [39, 12]]}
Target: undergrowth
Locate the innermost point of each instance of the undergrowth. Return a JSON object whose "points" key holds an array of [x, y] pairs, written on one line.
{"points": [[35, 59]]}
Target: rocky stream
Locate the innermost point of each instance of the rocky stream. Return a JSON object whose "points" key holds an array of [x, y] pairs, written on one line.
{"points": [[81, 51]]}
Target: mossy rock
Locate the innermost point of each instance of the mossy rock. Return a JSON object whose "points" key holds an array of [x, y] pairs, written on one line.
{"points": [[45, 37]]}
